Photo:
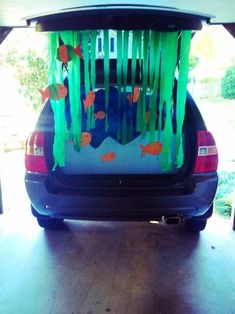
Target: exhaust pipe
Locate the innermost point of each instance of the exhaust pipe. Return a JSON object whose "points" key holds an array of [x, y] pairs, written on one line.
{"points": [[171, 220]]}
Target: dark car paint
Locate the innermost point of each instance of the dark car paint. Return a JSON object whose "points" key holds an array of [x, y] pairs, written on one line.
{"points": [[120, 16], [123, 197]]}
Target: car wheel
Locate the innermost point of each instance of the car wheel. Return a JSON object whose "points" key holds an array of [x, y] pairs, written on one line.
{"points": [[195, 225], [50, 223]]}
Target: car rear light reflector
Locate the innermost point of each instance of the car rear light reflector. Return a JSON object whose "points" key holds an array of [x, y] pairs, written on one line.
{"points": [[34, 153], [207, 155]]}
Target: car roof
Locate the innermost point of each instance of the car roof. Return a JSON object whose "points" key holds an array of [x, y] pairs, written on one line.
{"points": [[14, 12]]}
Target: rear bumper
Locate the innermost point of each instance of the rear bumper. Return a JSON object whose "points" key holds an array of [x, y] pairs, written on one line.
{"points": [[58, 205]]}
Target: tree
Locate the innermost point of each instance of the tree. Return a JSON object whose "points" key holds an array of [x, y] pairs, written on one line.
{"points": [[28, 63], [32, 76], [228, 83]]}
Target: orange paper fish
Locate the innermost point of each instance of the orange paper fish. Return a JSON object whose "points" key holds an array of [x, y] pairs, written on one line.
{"points": [[100, 115], [152, 149], [78, 51], [89, 101], [66, 53], [54, 91], [135, 97], [86, 138], [108, 157]]}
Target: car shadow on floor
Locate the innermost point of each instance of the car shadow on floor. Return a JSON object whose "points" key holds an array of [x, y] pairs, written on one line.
{"points": [[129, 267]]}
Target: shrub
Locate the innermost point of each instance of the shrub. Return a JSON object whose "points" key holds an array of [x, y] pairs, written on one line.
{"points": [[225, 193], [228, 83]]}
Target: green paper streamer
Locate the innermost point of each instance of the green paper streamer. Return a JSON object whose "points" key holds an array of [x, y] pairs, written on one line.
{"points": [[106, 74], [124, 74], [152, 56], [139, 42], [154, 80], [119, 66], [74, 82], [125, 58], [163, 78], [169, 59], [55, 75], [145, 83], [133, 61], [93, 72], [181, 93], [85, 47], [52, 50]]}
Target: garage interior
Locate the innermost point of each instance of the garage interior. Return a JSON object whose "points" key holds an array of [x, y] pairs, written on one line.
{"points": [[111, 267]]}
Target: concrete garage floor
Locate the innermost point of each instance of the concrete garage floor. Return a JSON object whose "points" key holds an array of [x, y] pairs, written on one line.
{"points": [[102, 267], [109, 267]]}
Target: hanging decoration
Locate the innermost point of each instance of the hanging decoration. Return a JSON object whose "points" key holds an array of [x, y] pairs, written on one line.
{"points": [[54, 91], [99, 89], [66, 53]]}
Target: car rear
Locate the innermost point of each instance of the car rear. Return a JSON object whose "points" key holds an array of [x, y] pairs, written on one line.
{"points": [[123, 145], [188, 192]]}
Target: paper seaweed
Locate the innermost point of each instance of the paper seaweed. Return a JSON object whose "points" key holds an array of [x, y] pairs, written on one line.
{"points": [[121, 84]]}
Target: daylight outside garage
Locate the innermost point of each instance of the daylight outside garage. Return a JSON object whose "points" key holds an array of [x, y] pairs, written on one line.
{"points": [[118, 267]]}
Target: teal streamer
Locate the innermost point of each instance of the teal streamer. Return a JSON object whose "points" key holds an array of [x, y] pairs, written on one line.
{"points": [[169, 64], [85, 36], [181, 94], [125, 70], [133, 61], [155, 64], [74, 82], [119, 66], [145, 82], [106, 74], [55, 75], [152, 56], [139, 42], [93, 36]]}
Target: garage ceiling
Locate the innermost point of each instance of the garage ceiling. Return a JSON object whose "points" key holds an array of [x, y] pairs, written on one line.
{"points": [[14, 12]]}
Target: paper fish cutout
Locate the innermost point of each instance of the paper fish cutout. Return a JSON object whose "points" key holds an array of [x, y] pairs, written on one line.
{"points": [[78, 51], [89, 101], [135, 97], [66, 53], [147, 116], [86, 138], [108, 157], [100, 115], [152, 149], [54, 91]]}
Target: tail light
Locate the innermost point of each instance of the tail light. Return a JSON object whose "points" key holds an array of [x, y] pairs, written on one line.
{"points": [[207, 155], [34, 153]]}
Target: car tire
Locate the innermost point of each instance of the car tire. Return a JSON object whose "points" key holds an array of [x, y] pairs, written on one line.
{"points": [[195, 225], [50, 223]]}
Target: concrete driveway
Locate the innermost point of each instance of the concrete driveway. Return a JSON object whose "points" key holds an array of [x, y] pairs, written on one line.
{"points": [[105, 267]]}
